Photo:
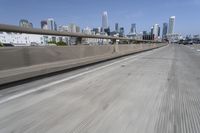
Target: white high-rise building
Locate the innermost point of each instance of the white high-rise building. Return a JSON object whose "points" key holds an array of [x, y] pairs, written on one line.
{"points": [[105, 20], [171, 25], [156, 30], [51, 24]]}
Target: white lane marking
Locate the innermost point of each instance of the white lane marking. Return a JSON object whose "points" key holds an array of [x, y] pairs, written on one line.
{"points": [[198, 50], [69, 78]]}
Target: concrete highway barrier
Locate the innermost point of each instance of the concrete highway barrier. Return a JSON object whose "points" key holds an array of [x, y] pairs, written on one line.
{"points": [[19, 63]]}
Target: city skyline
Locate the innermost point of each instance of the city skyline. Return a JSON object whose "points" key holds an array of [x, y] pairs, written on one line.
{"points": [[88, 13]]}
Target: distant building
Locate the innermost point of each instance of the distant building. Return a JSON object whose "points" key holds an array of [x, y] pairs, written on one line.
{"points": [[196, 37], [173, 37], [156, 30], [63, 28], [121, 31], [78, 29], [25, 23], [145, 33], [51, 24], [74, 28], [114, 33], [152, 30], [164, 31], [116, 27], [44, 25], [148, 37], [132, 34], [96, 30], [107, 31], [105, 20], [89, 41], [133, 28], [87, 31], [18, 39], [171, 25], [30, 25]]}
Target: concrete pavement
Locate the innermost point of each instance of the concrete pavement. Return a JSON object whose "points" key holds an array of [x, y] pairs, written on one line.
{"points": [[155, 92]]}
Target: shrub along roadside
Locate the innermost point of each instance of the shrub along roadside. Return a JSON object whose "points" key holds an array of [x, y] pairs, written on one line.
{"points": [[58, 43]]}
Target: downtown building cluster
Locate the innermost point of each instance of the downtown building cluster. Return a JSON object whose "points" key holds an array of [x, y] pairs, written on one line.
{"points": [[119, 31]]}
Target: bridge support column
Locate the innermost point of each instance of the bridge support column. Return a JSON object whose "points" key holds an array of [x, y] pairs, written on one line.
{"points": [[114, 41], [78, 40]]}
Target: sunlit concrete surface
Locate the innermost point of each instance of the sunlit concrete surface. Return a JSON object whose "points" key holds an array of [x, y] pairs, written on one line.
{"points": [[152, 92]]}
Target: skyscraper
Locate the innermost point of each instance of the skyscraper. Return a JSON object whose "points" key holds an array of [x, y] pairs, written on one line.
{"points": [[133, 28], [121, 31], [44, 24], [51, 24], [152, 30], [116, 27], [156, 30], [171, 25], [105, 20], [164, 31]]}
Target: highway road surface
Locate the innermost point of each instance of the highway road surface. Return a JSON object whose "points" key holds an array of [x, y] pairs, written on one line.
{"points": [[152, 92]]}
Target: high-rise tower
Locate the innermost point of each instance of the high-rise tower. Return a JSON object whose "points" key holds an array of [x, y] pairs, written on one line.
{"points": [[105, 20], [51, 24], [156, 30], [171, 25], [133, 28], [164, 31], [116, 27]]}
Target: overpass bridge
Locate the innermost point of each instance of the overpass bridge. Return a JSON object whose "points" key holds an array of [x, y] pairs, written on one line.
{"points": [[124, 91], [79, 36]]}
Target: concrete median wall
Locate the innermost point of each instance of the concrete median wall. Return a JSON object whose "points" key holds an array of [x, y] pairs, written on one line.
{"points": [[20, 63], [27, 56]]}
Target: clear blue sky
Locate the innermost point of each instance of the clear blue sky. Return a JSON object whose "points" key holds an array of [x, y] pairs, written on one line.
{"points": [[84, 13]]}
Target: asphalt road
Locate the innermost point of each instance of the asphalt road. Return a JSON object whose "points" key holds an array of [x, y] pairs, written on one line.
{"points": [[152, 92]]}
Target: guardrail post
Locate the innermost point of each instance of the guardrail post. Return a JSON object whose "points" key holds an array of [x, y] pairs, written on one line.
{"points": [[116, 46]]}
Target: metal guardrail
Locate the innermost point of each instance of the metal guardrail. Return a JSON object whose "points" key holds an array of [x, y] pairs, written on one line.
{"points": [[17, 29]]}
